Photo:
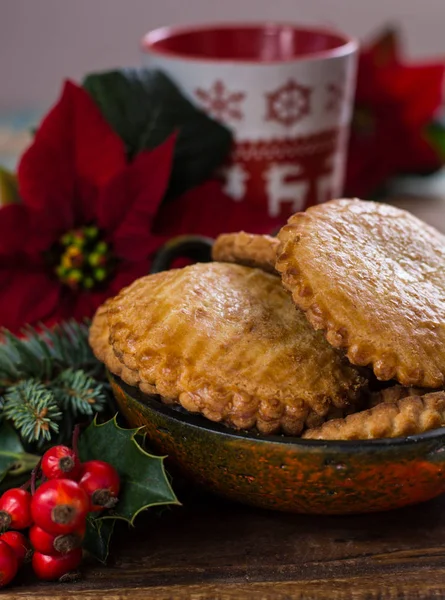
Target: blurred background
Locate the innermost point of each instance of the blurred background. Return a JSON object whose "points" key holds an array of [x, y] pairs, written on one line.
{"points": [[43, 41]]}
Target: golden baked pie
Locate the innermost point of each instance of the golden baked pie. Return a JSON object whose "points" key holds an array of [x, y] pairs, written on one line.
{"points": [[225, 340], [408, 416], [393, 394], [373, 278], [247, 249]]}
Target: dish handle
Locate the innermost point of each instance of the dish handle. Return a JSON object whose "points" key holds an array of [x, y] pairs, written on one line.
{"points": [[194, 247]]}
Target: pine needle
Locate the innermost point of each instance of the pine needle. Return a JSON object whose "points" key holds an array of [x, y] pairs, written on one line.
{"points": [[78, 393], [33, 410], [48, 380]]}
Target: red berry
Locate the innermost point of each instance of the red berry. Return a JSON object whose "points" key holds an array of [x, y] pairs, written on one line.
{"points": [[60, 462], [19, 544], [15, 511], [50, 568], [8, 564], [53, 544], [60, 506], [101, 482]]}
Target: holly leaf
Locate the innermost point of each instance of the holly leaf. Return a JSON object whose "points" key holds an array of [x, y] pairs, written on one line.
{"points": [[144, 107], [144, 482], [14, 461], [97, 537], [435, 135]]}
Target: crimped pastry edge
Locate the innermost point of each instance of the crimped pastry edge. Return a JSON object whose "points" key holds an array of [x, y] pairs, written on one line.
{"points": [[418, 414], [251, 250], [385, 367], [272, 417], [267, 416]]}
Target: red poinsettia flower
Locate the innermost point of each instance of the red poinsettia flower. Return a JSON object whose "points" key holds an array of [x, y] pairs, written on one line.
{"points": [[394, 104], [208, 211], [83, 229]]}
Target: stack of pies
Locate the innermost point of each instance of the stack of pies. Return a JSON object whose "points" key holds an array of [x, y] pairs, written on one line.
{"points": [[333, 330]]}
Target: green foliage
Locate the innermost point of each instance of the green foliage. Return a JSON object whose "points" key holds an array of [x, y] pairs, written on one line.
{"points": [[33, 410], [9, 189], [435, 136], [49, 380], [14, 460], [143, 477], [144, 107], [79, 393], [97, 537], [144, 482]]}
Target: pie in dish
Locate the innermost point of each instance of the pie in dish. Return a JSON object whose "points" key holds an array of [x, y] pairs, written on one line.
{"points": [[373, 278], [407, 416], [247, 249], [226, 341]]}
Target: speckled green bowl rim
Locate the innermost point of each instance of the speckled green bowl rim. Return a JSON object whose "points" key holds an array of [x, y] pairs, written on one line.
{"points": [[199, 422]]}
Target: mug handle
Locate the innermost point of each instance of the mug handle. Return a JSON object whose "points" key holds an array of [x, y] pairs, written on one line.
{"points": [[195, 247]]}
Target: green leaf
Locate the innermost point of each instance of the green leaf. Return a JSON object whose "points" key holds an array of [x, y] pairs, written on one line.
{"points": [[13, 459], [97, 537], [144, 482], [144, 107], [435, 135], [9, 189]]}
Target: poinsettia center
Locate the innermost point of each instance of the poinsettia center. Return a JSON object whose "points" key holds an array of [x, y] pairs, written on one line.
{"points": [[84, 260]]}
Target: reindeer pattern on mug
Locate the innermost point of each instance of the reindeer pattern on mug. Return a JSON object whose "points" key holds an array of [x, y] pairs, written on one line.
{"points": [[287, 173]]}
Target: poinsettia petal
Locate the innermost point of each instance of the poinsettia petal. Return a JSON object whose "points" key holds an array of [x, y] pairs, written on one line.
{"points": [[13, 228], [74, 149], [385, 48], [46, 183], [99, 151], [46, 169], [422, 91], [43, 232], [207, 210], [87, 303], [86, 206], [27, 298], [140, 246], [130, 201], [128, 272], [113, 201], [84, 305]]}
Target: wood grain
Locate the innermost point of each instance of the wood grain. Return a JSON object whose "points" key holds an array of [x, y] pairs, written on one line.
{"points": [[215, 550]]}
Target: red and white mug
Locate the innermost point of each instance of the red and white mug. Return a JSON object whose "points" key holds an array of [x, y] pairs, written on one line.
{"points": [[285, 91]]}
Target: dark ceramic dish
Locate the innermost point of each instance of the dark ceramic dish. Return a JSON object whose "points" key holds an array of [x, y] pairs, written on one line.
{"points": [[278, 472], [290, 474]]}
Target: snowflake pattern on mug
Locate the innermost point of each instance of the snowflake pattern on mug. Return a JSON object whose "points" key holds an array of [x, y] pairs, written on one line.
{"points": [[220, 102], [334, 97], [289, 103]]}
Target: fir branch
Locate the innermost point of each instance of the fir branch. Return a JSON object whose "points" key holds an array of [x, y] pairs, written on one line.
{"points": [[69, 347], [33, 410], [46, 353], [22, 359], [78, 393], [59, 366]]}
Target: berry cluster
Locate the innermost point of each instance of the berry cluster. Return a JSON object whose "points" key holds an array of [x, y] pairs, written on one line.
{"points": [[55, 514]]}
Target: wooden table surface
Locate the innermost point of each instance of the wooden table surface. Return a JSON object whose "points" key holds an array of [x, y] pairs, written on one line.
{"points": [[214, 550]]}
